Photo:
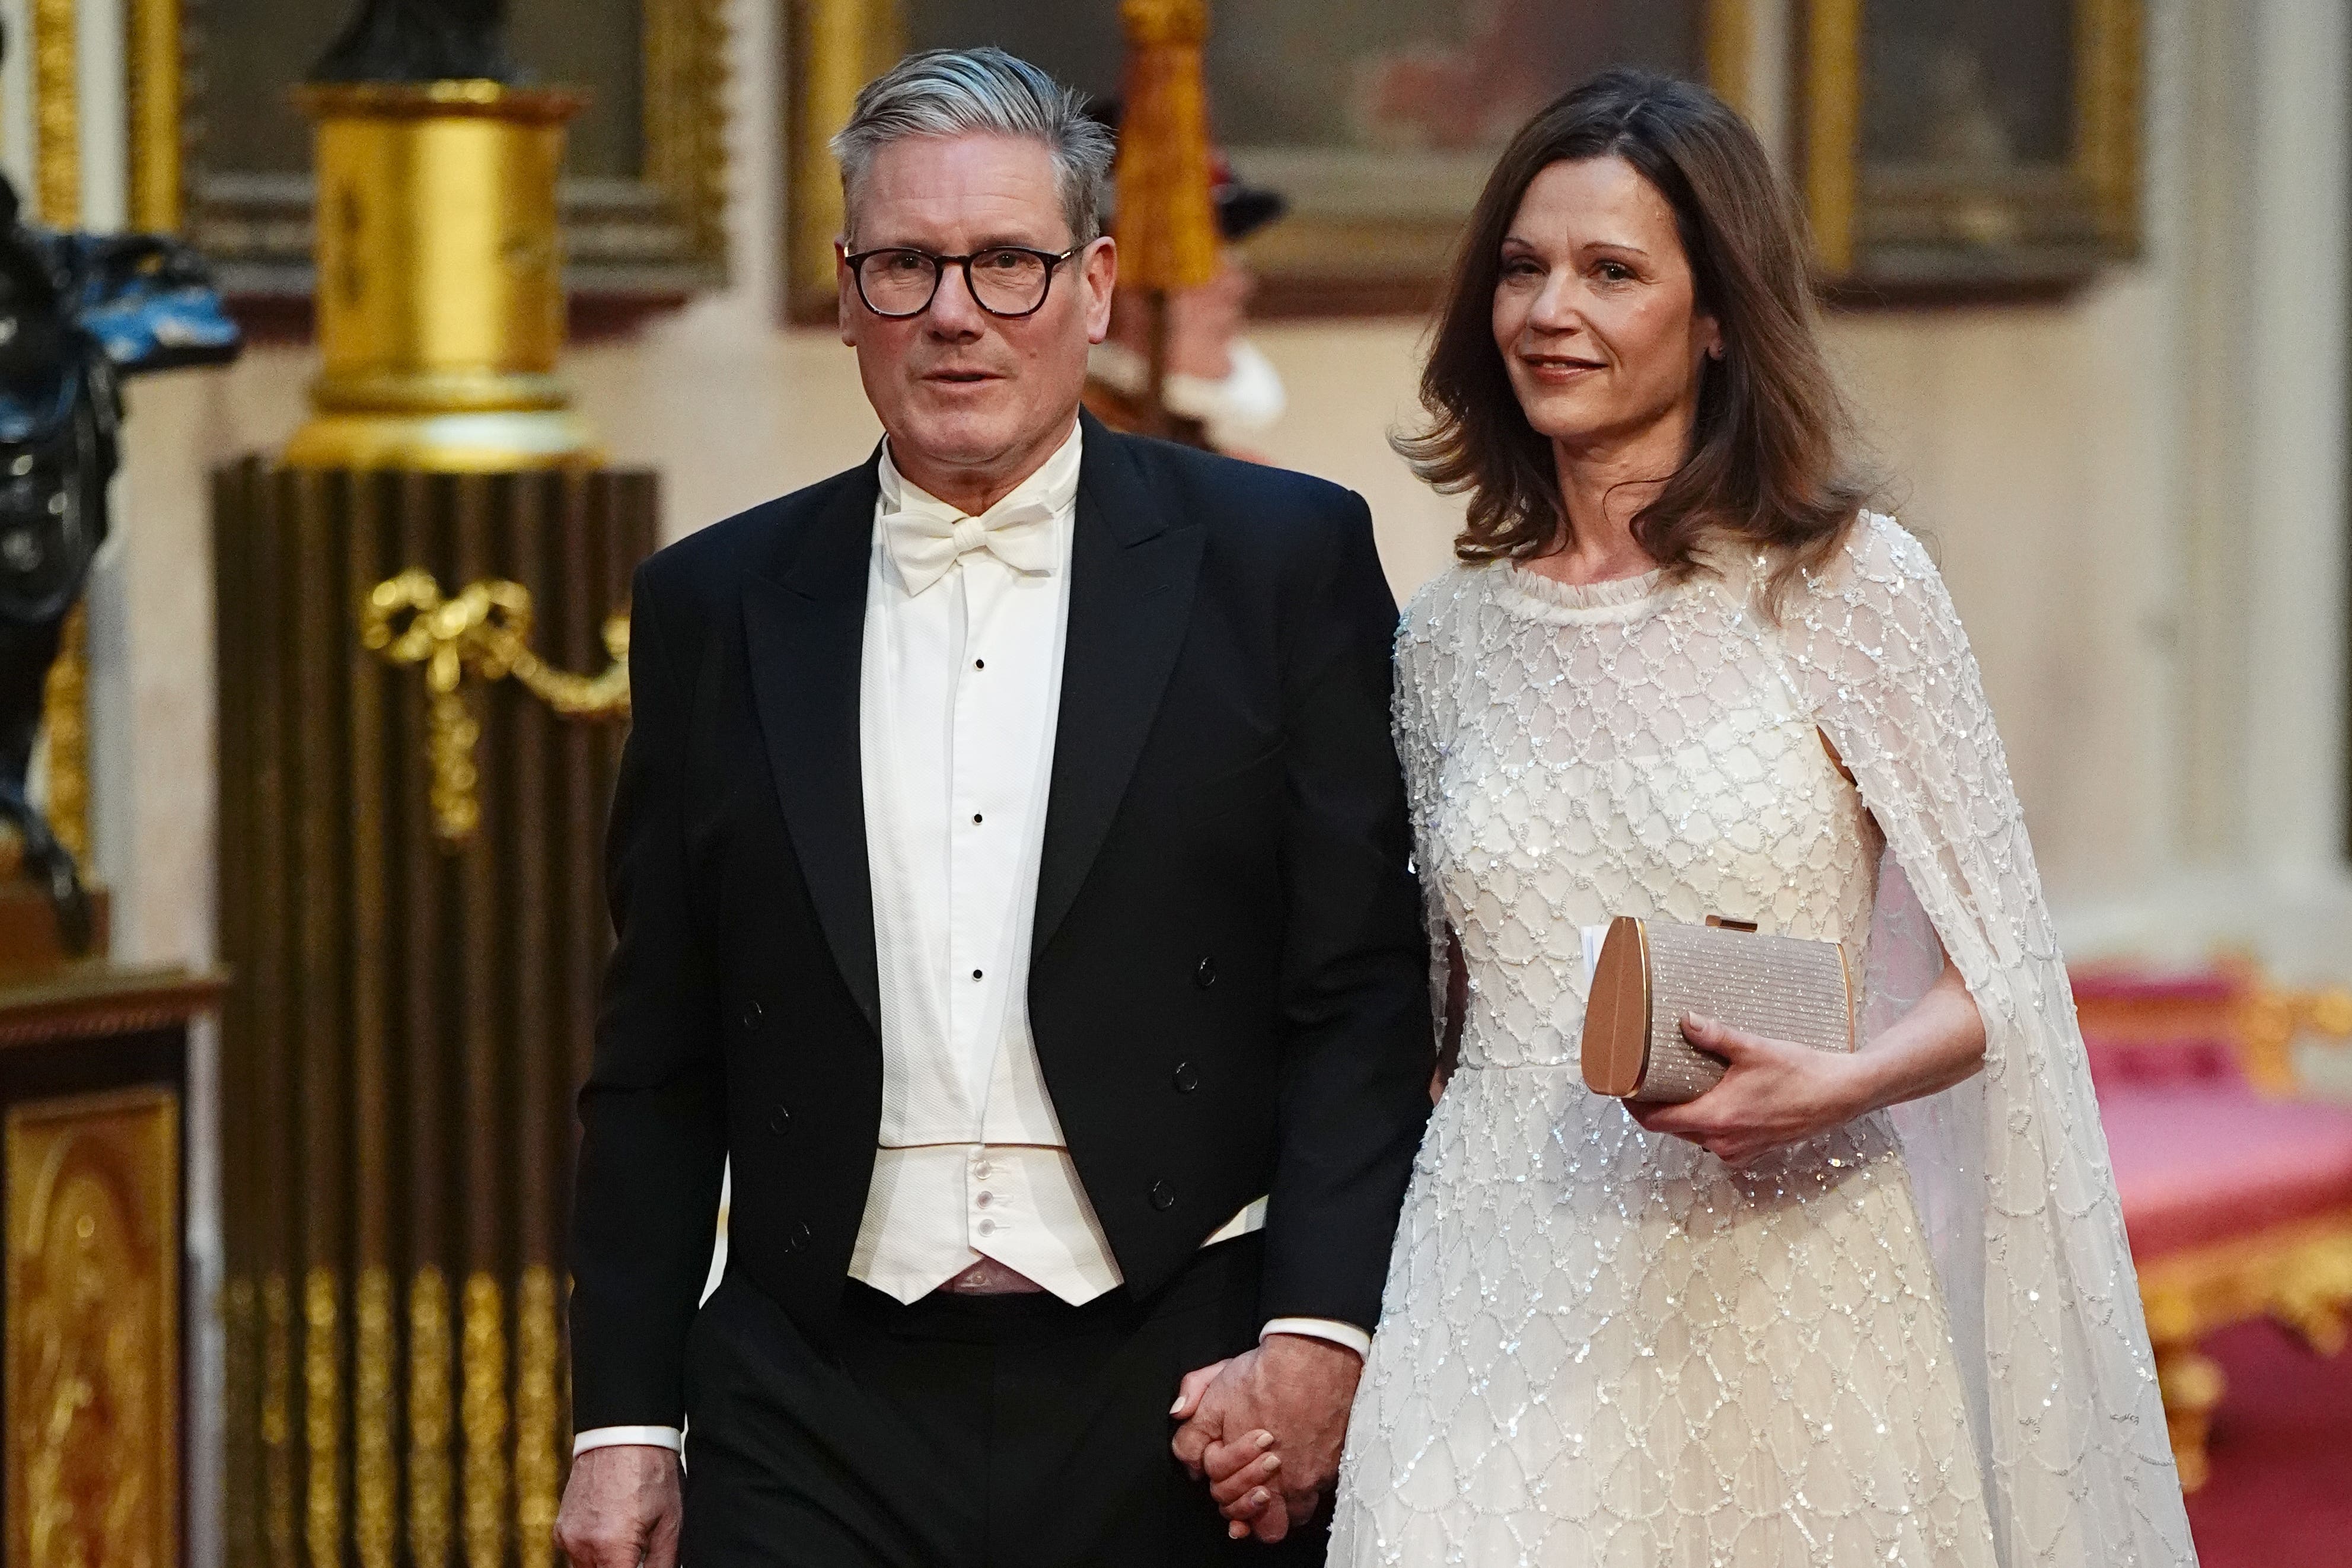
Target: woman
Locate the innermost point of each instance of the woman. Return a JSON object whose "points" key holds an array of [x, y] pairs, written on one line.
{"points": [[1840, 1309]]}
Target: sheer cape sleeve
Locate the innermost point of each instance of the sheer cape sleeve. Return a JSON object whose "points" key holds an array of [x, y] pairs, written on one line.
{"points": [[2011, 1167]]}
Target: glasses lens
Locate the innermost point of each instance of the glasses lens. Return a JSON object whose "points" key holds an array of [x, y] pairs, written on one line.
{"points": [[898, 282], [1010, 282]]}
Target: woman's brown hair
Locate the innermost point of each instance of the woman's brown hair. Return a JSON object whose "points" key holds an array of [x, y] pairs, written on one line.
{"points": [[1767, 461]]}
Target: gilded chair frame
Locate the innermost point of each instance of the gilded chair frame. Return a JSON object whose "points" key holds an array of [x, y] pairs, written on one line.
{"points": [[661, 233], [2297, 1273]]}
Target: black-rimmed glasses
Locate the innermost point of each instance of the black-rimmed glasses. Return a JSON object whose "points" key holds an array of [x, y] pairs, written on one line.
{"points": [[1007, 280]]}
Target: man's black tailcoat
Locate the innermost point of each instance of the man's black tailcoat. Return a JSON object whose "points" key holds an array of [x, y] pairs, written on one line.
{"points": [[1228, 989]]}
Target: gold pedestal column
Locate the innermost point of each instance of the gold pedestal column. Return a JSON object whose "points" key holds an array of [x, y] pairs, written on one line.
{"points": [[420, 723], [440, 302]]}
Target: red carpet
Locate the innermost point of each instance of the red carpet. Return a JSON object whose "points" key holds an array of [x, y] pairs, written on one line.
{"points": [[2281, 1492]]}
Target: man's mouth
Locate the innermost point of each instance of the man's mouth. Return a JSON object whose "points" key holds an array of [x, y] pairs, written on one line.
{"points": [[961, 377]]}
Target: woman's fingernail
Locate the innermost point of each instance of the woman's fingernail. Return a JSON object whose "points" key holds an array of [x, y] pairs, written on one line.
{"points": [[1264, 1441], [1177, 1408], [1271, 1463]]}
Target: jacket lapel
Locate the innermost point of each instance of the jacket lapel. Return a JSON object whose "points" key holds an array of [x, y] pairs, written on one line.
{"points": [[805, 624], [1133, 570]]}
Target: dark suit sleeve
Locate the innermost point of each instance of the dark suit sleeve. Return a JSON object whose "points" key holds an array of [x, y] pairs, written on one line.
{"points": [[653, 1139], [1354, 1002]]}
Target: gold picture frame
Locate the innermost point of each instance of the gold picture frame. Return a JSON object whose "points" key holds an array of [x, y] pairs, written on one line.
{"points": [[1359, 241], [661, 232], [1950, 224]]}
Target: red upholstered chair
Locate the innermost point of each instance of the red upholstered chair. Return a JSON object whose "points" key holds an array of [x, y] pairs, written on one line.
{"points": [[2237, 1190]]}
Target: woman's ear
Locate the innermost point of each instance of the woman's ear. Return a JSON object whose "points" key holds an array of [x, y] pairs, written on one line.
{"points": [[1710, 336]]}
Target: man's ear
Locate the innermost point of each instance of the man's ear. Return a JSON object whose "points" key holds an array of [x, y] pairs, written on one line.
{"points": [[1099, 270], [844, 287]]}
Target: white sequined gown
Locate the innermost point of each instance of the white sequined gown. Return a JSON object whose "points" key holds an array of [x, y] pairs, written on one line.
{"points": [[1602, 1346]]}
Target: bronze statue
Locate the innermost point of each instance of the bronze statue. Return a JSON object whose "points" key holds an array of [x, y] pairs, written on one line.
{"points": [[421, 41]]}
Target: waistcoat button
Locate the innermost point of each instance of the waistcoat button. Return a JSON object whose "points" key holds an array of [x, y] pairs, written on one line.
{"points": [[797, 1239], [1163, 1196], [754, 1014], [1187, 1079], [780, 1121], [1205, 974]]}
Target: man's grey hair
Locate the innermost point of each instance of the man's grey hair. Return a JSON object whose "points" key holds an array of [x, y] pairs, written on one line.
{"points": [[955, 92]]}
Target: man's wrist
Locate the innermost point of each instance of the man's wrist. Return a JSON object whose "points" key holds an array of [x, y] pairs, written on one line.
{"points": [[595, 1438]]}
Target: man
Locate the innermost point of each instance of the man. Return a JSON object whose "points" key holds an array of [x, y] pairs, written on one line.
{"points": [[1009, 868]]}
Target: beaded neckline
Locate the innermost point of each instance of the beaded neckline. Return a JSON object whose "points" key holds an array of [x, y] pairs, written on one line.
{"points": [[1531, 595]]}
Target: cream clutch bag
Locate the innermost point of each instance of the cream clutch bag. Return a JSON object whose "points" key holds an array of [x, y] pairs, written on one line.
{"points": [[1649, 974]]}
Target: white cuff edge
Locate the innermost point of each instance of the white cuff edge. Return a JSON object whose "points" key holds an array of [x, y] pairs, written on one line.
{"points": [[668, 1437], [1338, 1333]]}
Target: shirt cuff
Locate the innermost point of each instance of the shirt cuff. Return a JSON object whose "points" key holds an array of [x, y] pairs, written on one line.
{"points": [[668, 1437], [1338, 1333]]}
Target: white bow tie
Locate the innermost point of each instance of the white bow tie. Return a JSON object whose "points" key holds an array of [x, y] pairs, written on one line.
{"points": [[926, 537]]}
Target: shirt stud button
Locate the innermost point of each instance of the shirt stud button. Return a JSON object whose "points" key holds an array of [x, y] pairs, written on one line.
{"points": [[980, 664], [1163, 1196], [975, 819], [975, 975]]}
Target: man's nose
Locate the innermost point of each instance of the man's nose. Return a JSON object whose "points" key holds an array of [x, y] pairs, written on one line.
{"points": [[954, 311]]}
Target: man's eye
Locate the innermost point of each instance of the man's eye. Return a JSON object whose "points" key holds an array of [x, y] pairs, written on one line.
{"points": [[904, 261], [1003, 260]]}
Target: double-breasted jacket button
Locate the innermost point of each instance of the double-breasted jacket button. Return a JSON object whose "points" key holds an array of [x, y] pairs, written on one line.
{"points": [[780, 1120], [1186, 1078], [1163, 1196], [797, 1239], [1205, 974], [753, 1015]]}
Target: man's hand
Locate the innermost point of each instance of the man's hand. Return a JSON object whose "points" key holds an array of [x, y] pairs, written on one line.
{"points": [[1266, 1428], [622, 1508]]}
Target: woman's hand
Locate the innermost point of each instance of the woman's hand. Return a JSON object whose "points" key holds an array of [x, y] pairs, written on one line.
{"points": [[1773, 1094]]}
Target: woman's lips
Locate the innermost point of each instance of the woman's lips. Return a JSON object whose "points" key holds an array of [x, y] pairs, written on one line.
{"points": [[1559, 369]]}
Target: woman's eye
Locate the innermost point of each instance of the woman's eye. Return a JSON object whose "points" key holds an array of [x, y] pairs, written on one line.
{"points": [[1614, 271], [1520, 267]]}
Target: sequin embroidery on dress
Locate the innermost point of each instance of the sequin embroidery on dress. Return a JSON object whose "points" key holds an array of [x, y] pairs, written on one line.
{"points": [[1602, 1346]]}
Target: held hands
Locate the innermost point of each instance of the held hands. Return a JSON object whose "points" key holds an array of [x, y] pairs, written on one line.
{"points": [[1264, 1428], [1772, 1095], [622, 1508]]}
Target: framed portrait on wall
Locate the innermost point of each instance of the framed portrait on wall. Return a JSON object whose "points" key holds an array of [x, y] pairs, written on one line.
{"points": [[1972, 146], [644, 184], [1377, 120]]}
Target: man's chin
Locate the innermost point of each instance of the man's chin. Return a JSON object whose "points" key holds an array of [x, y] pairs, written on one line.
{"points": [[961, 435]]}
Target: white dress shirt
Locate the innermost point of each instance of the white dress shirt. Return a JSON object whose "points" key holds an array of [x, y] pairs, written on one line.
{"points": [[960, 692]]}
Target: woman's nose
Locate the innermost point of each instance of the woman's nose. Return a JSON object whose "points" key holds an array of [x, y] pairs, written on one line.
{"points": [[1558, 308]]}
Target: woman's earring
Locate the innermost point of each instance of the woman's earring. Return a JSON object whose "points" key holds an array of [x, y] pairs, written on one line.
{"points": [[1716, 353]]}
